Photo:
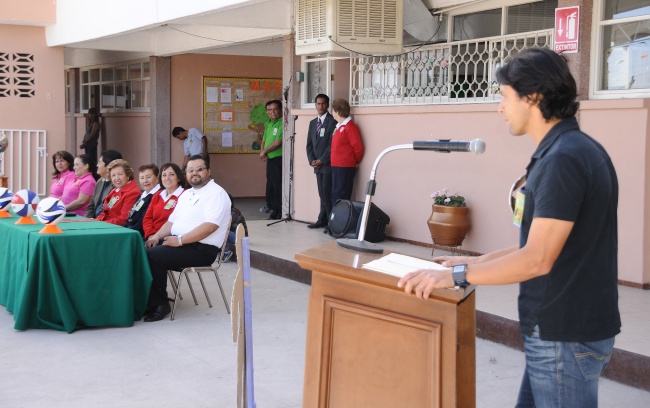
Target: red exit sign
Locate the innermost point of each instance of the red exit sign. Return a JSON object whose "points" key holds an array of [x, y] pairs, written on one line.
{"points": [[567, 22]]}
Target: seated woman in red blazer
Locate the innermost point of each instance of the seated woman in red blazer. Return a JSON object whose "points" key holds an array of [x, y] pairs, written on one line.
{"points": [[121, 198]]}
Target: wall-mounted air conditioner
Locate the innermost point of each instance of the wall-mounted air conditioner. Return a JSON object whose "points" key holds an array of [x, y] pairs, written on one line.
{"points": [[366, 26]]}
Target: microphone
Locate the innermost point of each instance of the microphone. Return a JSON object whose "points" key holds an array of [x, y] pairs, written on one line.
{"points": [[476, 146]]}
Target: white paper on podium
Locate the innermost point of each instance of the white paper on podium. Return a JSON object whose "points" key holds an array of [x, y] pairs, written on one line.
{"points": [[399, 265]]}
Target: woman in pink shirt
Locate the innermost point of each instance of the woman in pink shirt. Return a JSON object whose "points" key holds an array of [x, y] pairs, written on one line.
{"points": [[78, 191], [63, 163]]}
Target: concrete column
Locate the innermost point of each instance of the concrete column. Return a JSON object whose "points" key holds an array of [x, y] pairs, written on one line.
{"points": [[160, 74], [579, 63], [73, 101]]}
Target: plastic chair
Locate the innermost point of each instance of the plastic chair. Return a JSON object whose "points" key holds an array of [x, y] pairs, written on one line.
{"points": [[176, 283]]}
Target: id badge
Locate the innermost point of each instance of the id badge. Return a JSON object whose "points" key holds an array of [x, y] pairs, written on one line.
{"points": [[170, 204], [322, 132], [139, 205], [520, 200], [113, 201], [275, 131]]}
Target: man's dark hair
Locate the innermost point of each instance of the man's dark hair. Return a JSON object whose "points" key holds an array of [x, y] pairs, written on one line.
{"points": [[199, 157], [177, 131], [322, 96], [274, 101], [109, 155], [544, 76]]}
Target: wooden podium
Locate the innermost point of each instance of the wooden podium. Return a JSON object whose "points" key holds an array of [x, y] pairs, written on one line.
{"points": [[369, 344]]}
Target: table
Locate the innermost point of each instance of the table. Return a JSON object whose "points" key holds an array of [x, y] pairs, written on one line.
{"points": [[94, 274]]}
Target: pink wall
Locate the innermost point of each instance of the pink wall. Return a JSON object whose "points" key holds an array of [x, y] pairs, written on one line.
{"points": [[242, 175], [406, 179], [44, 111], [126, 132], [34, 12]]}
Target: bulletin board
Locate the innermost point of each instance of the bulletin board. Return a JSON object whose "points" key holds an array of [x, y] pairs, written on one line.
{"points": [[234, 109]]}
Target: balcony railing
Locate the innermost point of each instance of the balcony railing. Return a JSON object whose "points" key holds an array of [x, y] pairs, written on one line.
{"points": [[458, 72]]}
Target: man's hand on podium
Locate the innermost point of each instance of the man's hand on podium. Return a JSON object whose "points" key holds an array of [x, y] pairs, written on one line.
{"points": [[422, 282]]}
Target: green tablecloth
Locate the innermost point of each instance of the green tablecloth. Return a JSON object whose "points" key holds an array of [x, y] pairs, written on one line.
{"points": [[94, 274]]}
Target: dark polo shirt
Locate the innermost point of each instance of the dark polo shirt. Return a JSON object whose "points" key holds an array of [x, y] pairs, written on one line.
{"points": [[571, 177]]}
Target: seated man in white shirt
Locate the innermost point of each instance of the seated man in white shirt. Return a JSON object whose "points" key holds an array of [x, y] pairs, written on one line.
{"points": [[191, 237]]}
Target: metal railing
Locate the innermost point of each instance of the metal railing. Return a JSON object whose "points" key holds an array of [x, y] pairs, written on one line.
{"points": [[457, 72], [25, 160]]}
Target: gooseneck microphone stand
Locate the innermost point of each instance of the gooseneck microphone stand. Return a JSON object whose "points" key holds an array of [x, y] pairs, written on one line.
{"points": [[476, 146], [292, 138]]}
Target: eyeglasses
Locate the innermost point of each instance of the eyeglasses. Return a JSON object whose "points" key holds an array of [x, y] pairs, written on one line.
{"points": [[196, 170]]}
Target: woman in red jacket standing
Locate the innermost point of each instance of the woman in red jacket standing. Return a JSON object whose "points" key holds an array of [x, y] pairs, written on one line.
{"points": [[346, 153], [119, 201]]}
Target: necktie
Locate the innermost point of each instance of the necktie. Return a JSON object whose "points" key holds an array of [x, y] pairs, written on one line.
{"points": [[318, 126]]}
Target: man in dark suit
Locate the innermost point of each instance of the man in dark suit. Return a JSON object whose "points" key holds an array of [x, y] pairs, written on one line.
{"points": [[319, 141]]}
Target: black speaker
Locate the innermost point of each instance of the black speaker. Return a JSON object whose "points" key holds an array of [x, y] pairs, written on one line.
{"points": [[345, 221]]}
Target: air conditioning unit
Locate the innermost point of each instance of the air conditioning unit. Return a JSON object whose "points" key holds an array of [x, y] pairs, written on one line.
{"points": [[365, 26]]}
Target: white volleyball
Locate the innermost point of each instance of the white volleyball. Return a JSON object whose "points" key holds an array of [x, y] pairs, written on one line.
{"points": [[50, 211], [24, 203]]}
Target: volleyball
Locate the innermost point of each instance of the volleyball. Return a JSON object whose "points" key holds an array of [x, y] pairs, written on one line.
{"points": [[50, 211], [5, 198], [24, 203]]}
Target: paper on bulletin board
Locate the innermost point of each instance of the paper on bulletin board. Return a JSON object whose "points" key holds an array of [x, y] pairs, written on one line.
{"points": [[212, 94], [226, 138], [227, 116], [226, 95], [249, 96]]}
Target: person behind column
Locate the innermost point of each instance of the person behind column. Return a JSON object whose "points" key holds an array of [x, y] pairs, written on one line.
{"points": [[319, 143], [192, 236], [78, 191], [194, 142], [347, 151], [172, 183], [566, 262], [119, 201], [148, 178], [272, 154], [63, 163], [91, 138], [103, 185]]}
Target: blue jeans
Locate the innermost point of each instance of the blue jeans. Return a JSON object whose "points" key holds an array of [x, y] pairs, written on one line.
{"points": [[562, 374]]}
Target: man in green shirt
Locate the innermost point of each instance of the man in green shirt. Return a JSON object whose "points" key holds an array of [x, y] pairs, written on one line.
{"points": [[272, 154]]}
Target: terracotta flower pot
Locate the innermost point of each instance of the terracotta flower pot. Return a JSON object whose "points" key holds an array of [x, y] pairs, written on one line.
{"points": [[448, 225]]}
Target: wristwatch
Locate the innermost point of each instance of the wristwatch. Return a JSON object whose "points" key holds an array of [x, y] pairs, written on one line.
{"points": [[180, 240], [459, 275]]}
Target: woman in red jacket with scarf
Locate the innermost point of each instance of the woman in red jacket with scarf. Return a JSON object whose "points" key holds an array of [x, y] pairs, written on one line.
{"points": [[121, 198], [346, 151]]}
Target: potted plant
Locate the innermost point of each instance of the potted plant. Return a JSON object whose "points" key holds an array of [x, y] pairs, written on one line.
{"points": [[448, 223]]}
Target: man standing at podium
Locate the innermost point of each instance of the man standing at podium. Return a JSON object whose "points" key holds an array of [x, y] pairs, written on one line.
{"points": [[566, 260]]}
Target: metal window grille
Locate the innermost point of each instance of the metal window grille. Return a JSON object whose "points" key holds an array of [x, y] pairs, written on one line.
{"points": [[25, 160], [457, 72]]}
